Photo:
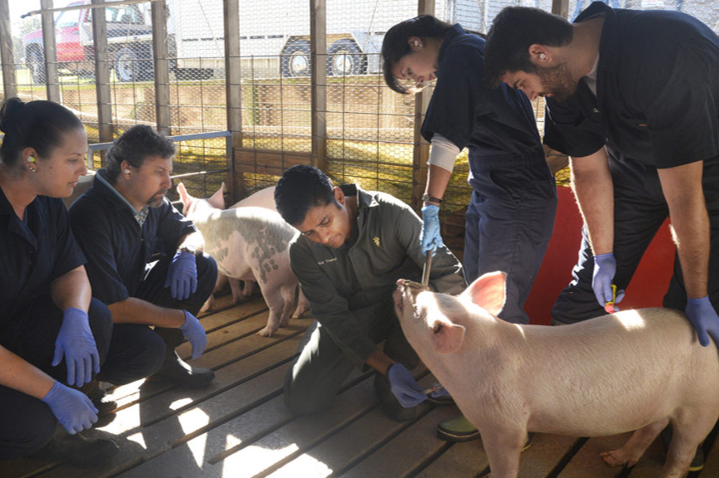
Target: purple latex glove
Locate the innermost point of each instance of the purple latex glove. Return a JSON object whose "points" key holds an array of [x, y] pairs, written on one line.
{"points": [[182, 275], [430, 237], [704, 318], [195, 334], [76, 342], [605, 266], [72, 408], [404, 386]]}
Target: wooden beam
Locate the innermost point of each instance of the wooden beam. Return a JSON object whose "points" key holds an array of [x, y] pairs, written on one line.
{"points": [[561, 8], [421, 147], [102, 75], [6, 54], [52, 84], [318, 105], [233, 88], [162, 66]]}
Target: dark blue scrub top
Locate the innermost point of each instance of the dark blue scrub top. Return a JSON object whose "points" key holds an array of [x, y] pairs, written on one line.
{"points": [[495, 124], [657, 92], [34, 252], [117, 248]]}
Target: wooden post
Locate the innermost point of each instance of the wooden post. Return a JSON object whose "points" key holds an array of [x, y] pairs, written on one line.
{"points": [[6, 55], [318, 55], [102, 75], [561, 8], [421, 147], [162, 66], [233, 88], [48, 40]]}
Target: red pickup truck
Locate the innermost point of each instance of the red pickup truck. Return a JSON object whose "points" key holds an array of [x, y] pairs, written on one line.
{"points": [[129, 38]]}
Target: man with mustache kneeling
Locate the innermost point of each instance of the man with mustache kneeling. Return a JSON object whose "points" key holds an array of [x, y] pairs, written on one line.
{"points": [[123, 223]]}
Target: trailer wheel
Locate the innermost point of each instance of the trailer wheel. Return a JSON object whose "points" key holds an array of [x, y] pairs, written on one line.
{"points": [[344, 57], [129, 66], [295, 60], [36, 64]]}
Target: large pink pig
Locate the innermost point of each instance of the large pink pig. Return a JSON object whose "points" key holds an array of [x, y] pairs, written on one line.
{"points": [[249, 243], [633, 370]]}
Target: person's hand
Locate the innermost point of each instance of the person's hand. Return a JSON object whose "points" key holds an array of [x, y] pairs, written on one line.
{"points": [[430, 238], [605, 266], [72, 408], [182, 275], [195, 334], [76, 342], [404, 386], [704, 318]]}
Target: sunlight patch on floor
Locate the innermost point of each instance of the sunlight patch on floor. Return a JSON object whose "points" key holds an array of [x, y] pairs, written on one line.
{"points": [[190, 421], [177, 404], [254, 459], [139, 439], [305, 466]]}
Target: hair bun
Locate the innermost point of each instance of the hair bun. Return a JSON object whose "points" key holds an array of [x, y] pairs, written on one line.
{"points": [[9, 113]]}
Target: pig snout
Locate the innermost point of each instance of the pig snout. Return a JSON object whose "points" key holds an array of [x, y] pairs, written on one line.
{"points": [[405, 295]]}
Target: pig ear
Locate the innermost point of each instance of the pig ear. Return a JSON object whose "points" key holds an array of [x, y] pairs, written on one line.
{"points": [[184, 197], [218, 199], [489, 292], [447, 337]]}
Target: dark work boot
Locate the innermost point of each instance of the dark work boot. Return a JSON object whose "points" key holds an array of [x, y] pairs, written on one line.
{"points": [[78, 450], [176, 370], [105, 407]]}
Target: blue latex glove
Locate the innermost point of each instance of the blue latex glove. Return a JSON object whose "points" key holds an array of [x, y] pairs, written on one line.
{"points": [[404, 386], [182, 275], [704, 318], [76, 342], [605, 266], [195, 334], [72, 408], [431, 237]]}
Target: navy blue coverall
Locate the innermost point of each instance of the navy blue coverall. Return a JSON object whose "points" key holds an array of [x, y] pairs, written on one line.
{"points": [[656, 106], [35, 252], [511, 215]]}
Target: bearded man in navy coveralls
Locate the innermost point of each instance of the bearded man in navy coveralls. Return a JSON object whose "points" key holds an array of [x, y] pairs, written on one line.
{"points": [[633, 99]]}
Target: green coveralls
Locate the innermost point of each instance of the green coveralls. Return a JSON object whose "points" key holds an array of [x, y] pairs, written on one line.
{"points": [[350, 292]]}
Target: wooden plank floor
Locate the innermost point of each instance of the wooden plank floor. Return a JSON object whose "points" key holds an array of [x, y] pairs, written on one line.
{"points": [[239, 427]]}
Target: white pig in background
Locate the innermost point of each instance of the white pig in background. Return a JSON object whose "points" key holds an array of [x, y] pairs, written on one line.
{"points": [[249, 243], [633, 370], [264, 198]]}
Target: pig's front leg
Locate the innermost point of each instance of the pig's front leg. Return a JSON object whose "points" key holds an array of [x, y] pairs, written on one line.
{"points": [[503, 448], [209, 304], [635, 447], [248, 288]]}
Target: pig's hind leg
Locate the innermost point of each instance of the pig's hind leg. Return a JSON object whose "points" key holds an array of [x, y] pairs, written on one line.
{"points": [[303, 305], [688, 432], [276, 303], [635, 447]]}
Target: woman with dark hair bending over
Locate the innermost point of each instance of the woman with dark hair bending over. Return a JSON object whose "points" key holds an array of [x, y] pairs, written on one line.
{"points": [[51, 330], [511, 215]]}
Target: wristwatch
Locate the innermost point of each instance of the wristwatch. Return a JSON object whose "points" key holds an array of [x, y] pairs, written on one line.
{"points": [[427, 198]]}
